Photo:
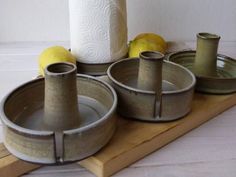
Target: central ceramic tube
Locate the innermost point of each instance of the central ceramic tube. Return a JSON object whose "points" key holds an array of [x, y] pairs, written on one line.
{"points": [[60, 102], [150, 72], [206, 55]]}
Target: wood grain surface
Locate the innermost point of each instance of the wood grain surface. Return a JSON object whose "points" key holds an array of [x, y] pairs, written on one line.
{"points": [[10, 166], [134, 139]]}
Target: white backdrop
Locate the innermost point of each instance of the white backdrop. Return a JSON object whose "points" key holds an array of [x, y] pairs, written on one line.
{"points": [[47, 20]]}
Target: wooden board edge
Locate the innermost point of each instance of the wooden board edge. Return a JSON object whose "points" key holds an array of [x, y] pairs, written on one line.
{"points": [[94, 166], [116, 164], [10, 166]]}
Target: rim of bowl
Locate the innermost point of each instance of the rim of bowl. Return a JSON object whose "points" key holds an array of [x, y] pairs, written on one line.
{"points": [[20, 129], [152, 92]]}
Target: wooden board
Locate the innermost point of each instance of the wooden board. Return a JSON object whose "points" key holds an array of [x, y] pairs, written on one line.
{"points": [[133, 140], [10, 166]]}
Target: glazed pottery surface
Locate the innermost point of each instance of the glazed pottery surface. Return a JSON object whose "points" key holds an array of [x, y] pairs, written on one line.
{"points": [[223, 83], [176, 96], [27, 137], [206, 55]]}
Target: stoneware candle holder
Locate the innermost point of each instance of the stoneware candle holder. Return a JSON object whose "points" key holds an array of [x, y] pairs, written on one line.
{"points": [[62, 118], [151, 89], [98, 69], [215, 73], [206, 55]]}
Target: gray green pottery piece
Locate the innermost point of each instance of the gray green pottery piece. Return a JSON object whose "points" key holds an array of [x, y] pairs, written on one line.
{"points": [[206, 55], [215, 73], [150, 74], [97, 69], [93, 69], [74, 120], [167, 94], [223, 83]]}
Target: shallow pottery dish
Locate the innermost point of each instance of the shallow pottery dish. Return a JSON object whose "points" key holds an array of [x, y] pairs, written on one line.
{"points": [[224, 82], [33, 133], [171, 101]]}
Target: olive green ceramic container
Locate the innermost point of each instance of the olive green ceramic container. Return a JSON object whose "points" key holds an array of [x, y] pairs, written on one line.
{"points": [[224, 83], [206, 55], [215, 73], [62, 118], [152, 90]]}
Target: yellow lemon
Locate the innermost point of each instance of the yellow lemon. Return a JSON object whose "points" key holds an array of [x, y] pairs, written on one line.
{"points": [[153, 38], [140, 45], [54, 54]]}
